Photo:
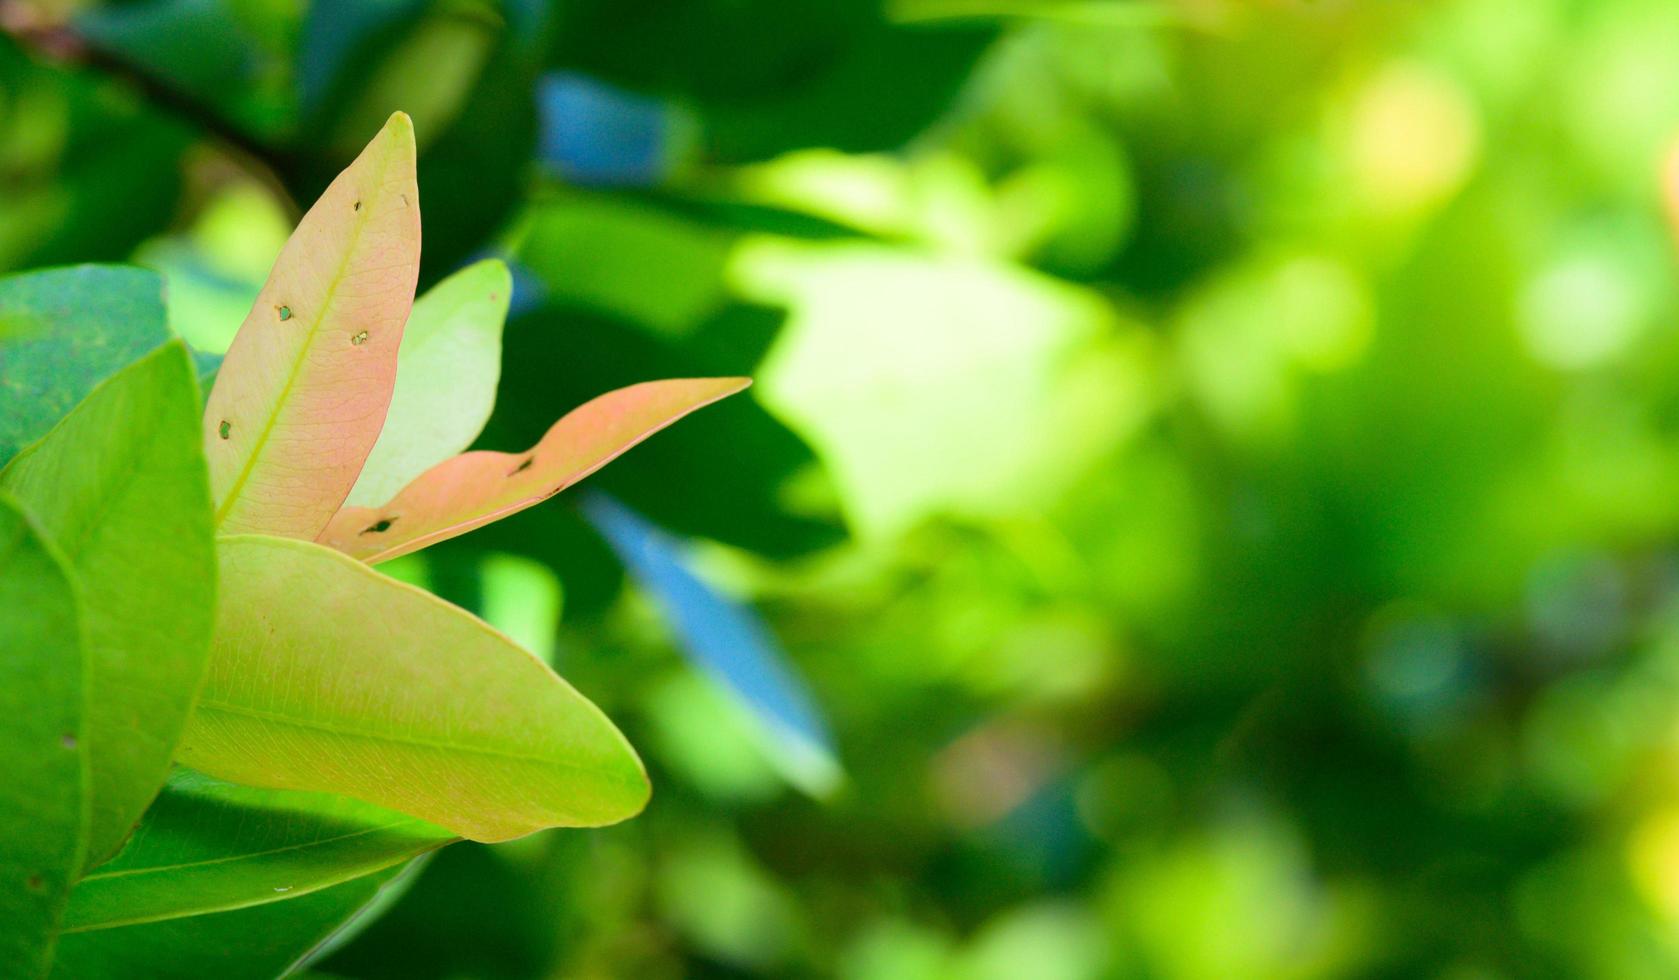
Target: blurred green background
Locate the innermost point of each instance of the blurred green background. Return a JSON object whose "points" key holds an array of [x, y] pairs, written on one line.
{"points": [[1207, 510]]}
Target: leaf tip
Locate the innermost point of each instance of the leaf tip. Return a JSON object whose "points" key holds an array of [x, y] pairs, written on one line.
{"points": [[399, 128]]}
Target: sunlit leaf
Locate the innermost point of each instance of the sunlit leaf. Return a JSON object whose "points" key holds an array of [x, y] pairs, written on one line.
{"points": [[329, 676], [209, 846], [479, 487], [41, 798], [445, 380], [119, 486], [302, 394], [726, 640], [62, 331], [256, 943]]}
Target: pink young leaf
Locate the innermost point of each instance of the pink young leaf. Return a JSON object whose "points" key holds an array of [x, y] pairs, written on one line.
{"points": [[301, 398], [475, 488]]}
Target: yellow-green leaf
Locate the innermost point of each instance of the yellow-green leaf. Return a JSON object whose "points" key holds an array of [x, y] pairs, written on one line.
{"points": [[329, 676], [303, 392], [41, 804]]}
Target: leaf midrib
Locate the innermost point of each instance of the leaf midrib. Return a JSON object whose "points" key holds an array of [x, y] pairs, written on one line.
{"points": [[247, 855], [407, 740]]}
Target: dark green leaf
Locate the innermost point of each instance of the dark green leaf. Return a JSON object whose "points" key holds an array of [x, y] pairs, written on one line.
{"points": [[209, 846], [256, 943]]}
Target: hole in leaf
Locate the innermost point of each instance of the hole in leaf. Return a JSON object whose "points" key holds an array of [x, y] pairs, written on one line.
{"points": [[225, 428], [515, 471], [285, 313], [359, 338], [380, 527], [358, 205]]}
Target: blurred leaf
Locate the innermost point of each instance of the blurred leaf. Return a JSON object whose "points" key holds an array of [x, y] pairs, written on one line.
{"points": [[42, 805], [359, 685], [522, 598], [215, 268], [208, 846], [256, 943], [62, 331], [1092, 13], [475, 175], [892, 84], [89, 170], [207, 366], [593, 133], [336, 35], [942, 384], [119, 486], [477, 488], [446, 373], [429, 74], [595, 251], [728, 642], [795, 74], [557, 536], [477, 912], [475, 121], [231, 56], [320, 344]]}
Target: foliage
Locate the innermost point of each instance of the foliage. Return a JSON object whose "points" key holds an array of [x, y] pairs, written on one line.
{"points": [[1204, 509], [166, 600]]}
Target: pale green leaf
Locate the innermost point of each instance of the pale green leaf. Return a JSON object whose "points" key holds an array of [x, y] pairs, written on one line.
{"points": [[328, 676], [119, 486], [41, 795], [209, 846], [445, 380]]}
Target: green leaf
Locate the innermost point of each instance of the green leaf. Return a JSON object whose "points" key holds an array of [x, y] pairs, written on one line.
{"points": [[328, 676], [446, 378], [62, 331], [41, 797], [209, 846], [120, 488], [256, 943], [303, 392]]}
